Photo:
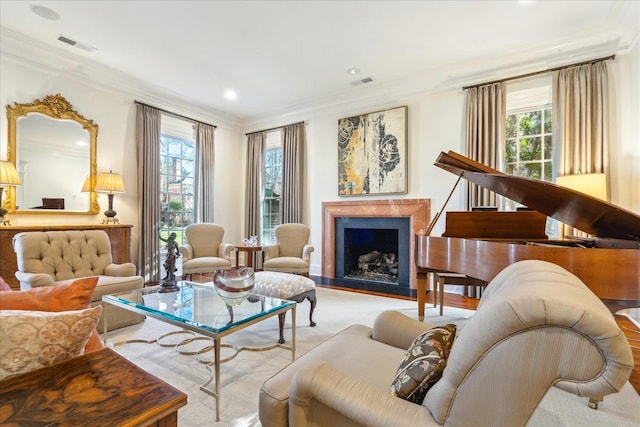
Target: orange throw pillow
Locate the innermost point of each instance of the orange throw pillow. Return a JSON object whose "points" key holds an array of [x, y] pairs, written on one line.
{"points": [[76, 295]]}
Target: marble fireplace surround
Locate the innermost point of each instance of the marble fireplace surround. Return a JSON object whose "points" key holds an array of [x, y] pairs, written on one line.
{"points": [[417, 210]]}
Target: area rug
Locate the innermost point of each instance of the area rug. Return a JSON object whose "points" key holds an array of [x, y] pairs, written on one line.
{"points": [[242, 377]]}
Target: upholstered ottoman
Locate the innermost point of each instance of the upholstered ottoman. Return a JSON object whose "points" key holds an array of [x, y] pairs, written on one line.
{"points": [[287, 286]]}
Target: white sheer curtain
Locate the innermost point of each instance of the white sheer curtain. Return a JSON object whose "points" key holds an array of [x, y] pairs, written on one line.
{"points": [[485, 135], [292, 172], [148, 160], [204, 201]]}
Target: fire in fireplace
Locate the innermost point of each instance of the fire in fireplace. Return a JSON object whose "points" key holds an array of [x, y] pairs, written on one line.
{"points": [[373, 250]]}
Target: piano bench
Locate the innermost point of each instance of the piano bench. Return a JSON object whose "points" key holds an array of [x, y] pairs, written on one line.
{"points": [[440, 279]]}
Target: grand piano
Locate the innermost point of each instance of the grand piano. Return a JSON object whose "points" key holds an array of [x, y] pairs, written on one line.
{"points": [[481, 243]]}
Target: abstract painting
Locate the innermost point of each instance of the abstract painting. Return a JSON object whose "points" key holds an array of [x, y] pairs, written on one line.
{"points": [[372, 153]]}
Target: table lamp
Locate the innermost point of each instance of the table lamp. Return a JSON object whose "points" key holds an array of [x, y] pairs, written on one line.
{"points": [[592, 184], [8, 176], [110, 183]]}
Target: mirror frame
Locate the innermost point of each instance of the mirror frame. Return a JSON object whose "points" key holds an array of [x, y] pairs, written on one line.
{"points": [[55, 107]]}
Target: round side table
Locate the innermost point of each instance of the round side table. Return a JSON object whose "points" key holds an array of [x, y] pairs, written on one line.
{"points": [[249, 251]]}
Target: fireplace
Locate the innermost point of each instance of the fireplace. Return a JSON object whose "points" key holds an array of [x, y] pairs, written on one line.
{"points": [[373, 249], [415, 212]]}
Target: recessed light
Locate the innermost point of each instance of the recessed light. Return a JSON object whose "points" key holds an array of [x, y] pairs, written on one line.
{"points": [[45, 12], [353, 70], [230, 94]]}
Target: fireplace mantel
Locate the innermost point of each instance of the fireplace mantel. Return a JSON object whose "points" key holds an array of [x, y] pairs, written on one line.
{"points": [[417, 210]]}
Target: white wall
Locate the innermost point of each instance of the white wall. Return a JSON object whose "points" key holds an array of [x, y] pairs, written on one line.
{"points": [[115, 115], [436, 123]]}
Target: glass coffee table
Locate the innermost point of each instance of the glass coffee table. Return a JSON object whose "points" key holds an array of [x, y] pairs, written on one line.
{"points": [[197, 308]]}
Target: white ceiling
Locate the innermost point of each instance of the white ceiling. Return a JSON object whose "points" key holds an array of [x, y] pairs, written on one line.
{"points": [[286, 57]]}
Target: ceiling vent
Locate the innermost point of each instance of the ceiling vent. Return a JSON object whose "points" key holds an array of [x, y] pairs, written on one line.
{"points": [[362, 81], [81, 46]]}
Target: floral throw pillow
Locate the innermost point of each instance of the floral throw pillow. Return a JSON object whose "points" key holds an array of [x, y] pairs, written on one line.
{"points": [[33, 339], [423, 363], [76, 295]]}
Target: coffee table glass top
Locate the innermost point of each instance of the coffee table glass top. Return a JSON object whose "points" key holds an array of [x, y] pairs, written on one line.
{"points": [[197, 305]]}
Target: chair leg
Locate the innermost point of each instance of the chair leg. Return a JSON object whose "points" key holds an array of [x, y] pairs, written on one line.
{"points": [[594, 401], [281, 318], [312, 301], [440, 286]]}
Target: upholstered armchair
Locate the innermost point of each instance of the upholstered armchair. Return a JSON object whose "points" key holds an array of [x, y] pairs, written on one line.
{"points": [[537, 327], [53, 258], [291, 253], [204, 251]]}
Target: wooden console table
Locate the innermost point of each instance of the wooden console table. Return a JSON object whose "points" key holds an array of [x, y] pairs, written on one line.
{"points": [[98, 388], [119, 235]]}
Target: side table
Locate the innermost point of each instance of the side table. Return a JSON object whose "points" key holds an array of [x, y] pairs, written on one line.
{"points": [[88, 390], [249, 251]]}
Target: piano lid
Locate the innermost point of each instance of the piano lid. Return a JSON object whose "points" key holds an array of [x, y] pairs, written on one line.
{"points": [[579, 210]]}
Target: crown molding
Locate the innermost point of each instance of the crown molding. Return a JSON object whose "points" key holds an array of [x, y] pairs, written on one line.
{"points": [[41, 56], [20, 48]]}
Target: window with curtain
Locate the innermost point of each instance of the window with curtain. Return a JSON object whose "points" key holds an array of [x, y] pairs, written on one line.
{"points": [[529, 143], [177, 175], [272, 187], [529, 139]]}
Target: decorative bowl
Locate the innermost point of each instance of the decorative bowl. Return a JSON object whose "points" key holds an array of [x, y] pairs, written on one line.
{"points": [[234, 285]]}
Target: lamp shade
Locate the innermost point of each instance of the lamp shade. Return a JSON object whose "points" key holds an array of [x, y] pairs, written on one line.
{"points": [[109, 182], [592, 184], [8, 173]]}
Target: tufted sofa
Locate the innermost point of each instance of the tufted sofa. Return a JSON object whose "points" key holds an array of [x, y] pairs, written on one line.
{"points": [[537, 326], [50, 258]]}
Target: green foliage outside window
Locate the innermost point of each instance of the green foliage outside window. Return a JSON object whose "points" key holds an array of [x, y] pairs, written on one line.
{"points": [[528, 150], [177, 182], [271, 216]]}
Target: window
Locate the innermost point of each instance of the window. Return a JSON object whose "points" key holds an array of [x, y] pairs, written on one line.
{"points": [[177, 157], [529, 138], [529, 143], [272, 191]]}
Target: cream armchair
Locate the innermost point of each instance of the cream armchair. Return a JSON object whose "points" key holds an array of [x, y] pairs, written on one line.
{"points": [[205, 252], [537, 326], [50, 258], [291, 253]]}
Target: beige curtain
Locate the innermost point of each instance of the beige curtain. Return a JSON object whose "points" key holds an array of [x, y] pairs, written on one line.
{"points": [[580, 119], [148, 159], [253, 192], [292, 172], [486, 122], [204, 174]]}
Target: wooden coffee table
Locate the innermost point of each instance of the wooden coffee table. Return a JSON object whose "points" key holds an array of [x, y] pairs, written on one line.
{"points": [[89, 390]]}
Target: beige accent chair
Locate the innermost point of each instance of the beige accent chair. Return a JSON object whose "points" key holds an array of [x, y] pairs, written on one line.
{"points": [[49, 258], [291, 253], [204, 251], [537, 326]]}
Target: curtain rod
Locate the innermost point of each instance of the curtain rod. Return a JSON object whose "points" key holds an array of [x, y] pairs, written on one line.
{"points": [[175, 114], [535, 73], [279, 127]]}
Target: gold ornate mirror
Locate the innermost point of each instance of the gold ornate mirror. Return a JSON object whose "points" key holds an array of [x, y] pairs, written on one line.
{"points": [[54, 150]]}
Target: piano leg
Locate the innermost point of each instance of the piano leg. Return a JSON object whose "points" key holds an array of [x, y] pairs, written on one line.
{"points": [[423, 280]]}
